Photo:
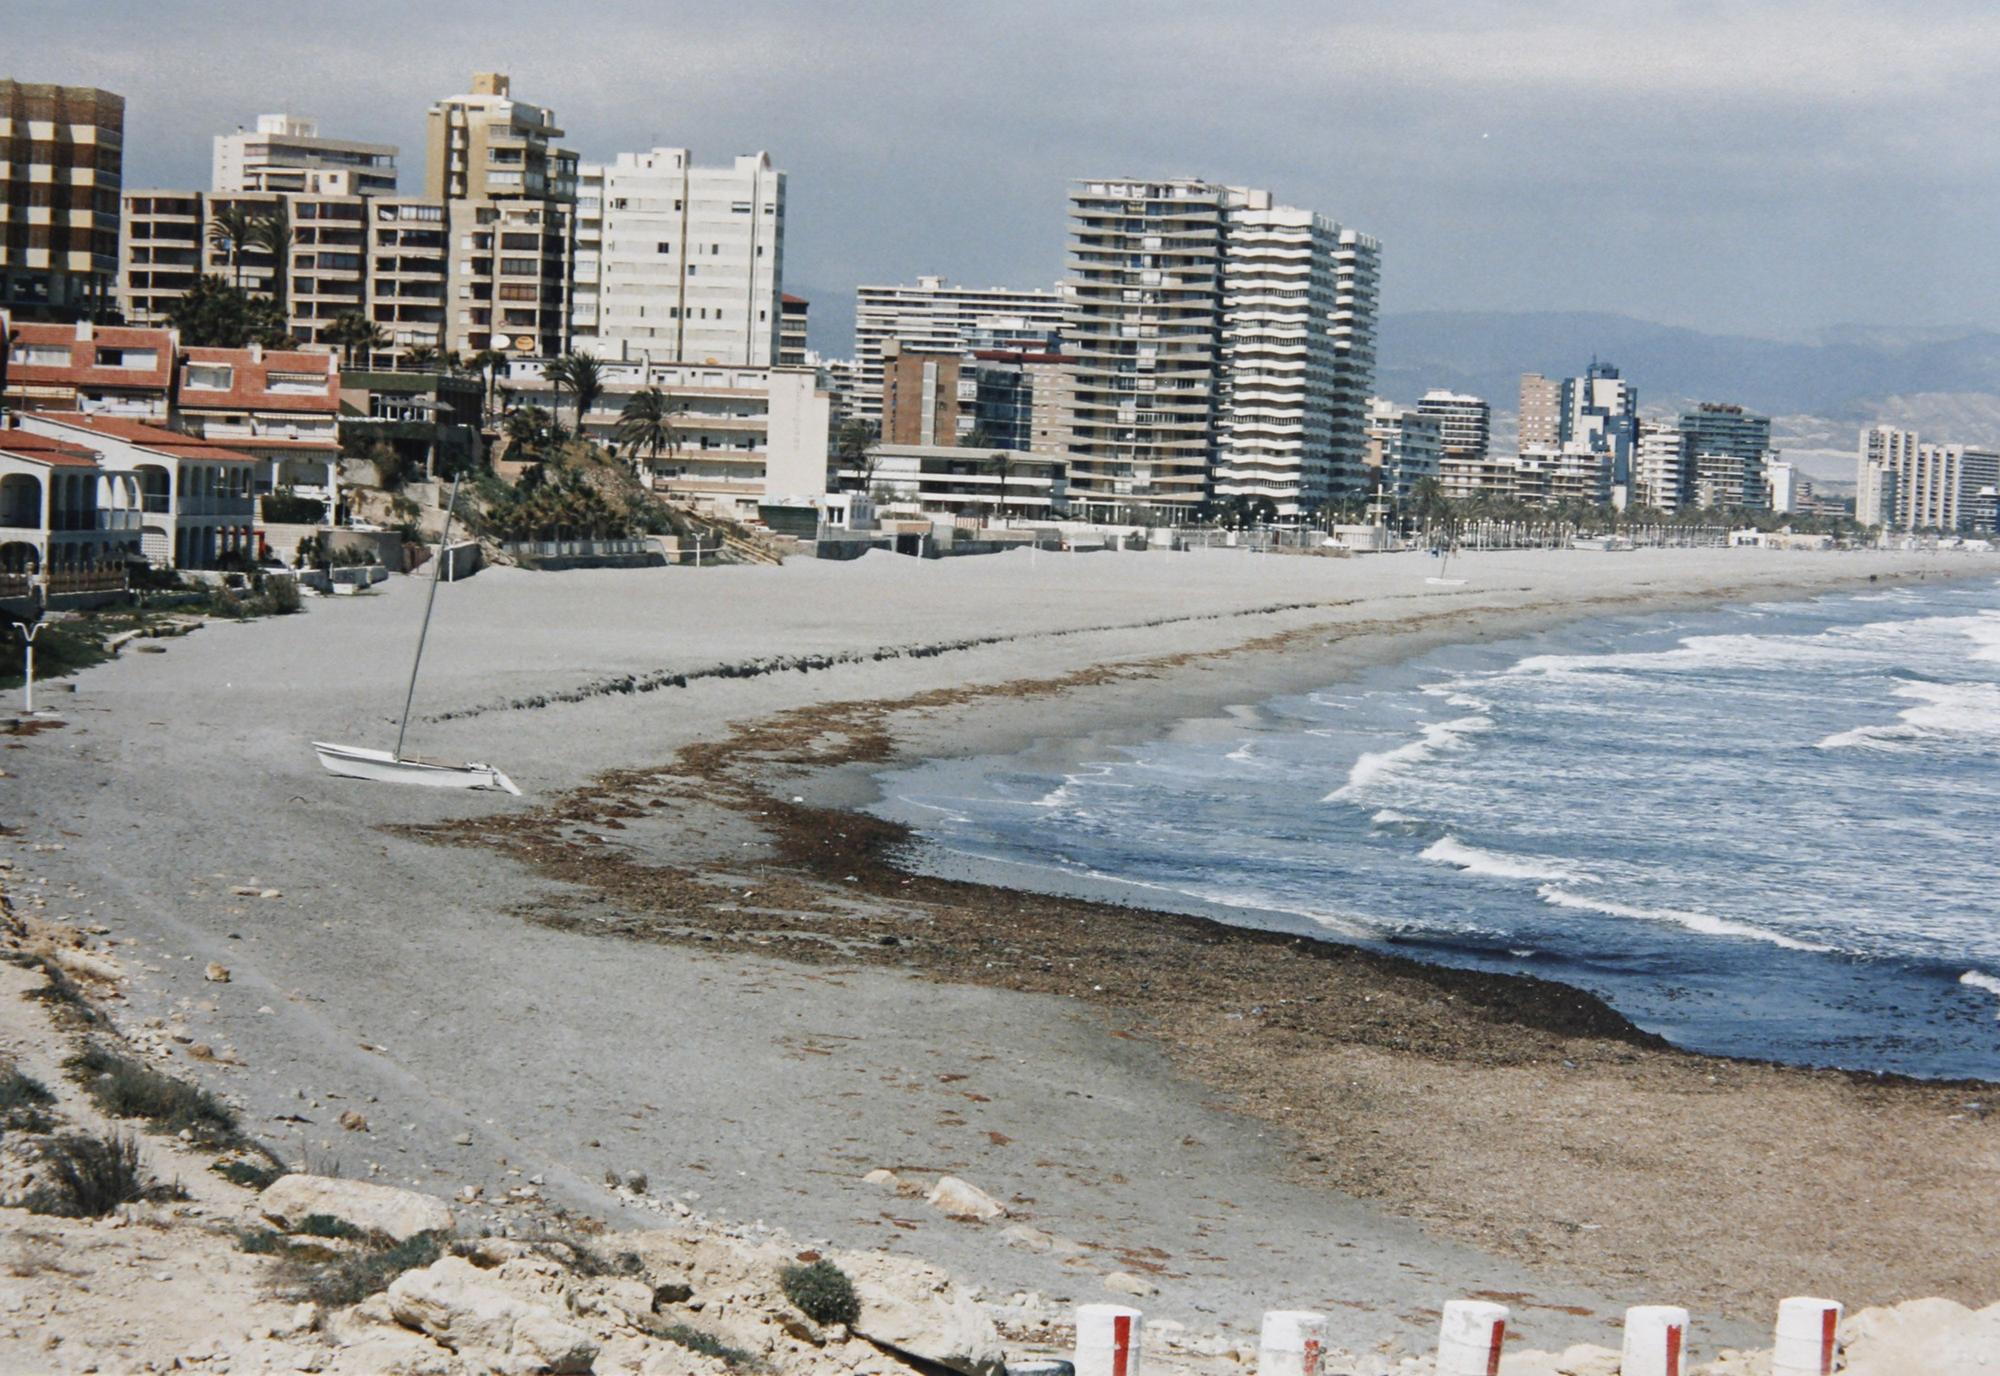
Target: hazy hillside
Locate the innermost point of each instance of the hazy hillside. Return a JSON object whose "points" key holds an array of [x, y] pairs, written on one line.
{"points": [[1945, 383]]}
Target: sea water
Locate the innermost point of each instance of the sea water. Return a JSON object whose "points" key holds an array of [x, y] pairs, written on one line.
{"points": [[1765, 830]]}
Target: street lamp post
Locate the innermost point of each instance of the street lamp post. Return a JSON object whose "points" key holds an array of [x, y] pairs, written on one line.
{"points": [[28, 633]]}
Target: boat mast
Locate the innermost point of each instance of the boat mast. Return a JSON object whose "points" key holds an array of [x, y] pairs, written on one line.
{"points": [[437, 572]]}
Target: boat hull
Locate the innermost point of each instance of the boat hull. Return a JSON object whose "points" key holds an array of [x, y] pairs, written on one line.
{"points": [[381, 766]]}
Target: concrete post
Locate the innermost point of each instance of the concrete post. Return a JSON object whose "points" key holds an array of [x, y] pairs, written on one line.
{"points": [[1807, 1338], [1293, 1343], [1107, 1340], [1656, 1339], [1469, 1338]]}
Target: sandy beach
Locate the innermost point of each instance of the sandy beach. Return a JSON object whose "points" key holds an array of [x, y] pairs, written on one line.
{"points": [[682, 953]]}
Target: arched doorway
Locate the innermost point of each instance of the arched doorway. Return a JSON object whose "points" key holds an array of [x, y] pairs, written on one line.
{"points": [[21, 501]]}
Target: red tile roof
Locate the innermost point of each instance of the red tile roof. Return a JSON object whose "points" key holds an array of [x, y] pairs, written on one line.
{"points": [[250, 381], [790, 300], [20, 444], [82, 369], [153, 437]]}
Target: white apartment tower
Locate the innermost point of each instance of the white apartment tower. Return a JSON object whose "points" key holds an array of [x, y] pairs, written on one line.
{"points": [[1465, 423], [287, 153], [679, 262], [936, 317], [1663, 476], [1905, 484], [1275, 391], [1224, 346]]}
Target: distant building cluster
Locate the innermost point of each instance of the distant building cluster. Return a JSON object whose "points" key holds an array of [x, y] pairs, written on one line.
{"points": [[1210, 351]]}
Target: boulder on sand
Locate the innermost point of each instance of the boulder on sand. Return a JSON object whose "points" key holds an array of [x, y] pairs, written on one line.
{"points": [[454, 1303], [912, 1307], [399, 1214], [1923, 1338], [955, 1198]]}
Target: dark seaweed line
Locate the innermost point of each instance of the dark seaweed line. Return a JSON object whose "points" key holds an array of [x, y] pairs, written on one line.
{"points": [[630, 684]]}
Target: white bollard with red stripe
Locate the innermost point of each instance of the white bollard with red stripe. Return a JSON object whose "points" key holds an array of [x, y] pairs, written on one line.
{"points": [[1469, 1338], [1293, 1343], [1656, 1341], [1808, 1337], [1107, 1340]]}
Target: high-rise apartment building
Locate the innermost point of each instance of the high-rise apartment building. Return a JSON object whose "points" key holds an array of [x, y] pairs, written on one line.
{"points": [[1600, 412], [1405, 446], [1662, 471], [1465, 424], [920, 397], [940, 318], [1224, 347], [1541, 412], [509, 200], [1729, 448], [383, 258], [1276, 370], [288, 153], [1144, 325], [62, 154], [1907, 485], [794, 315], [679, 262]]}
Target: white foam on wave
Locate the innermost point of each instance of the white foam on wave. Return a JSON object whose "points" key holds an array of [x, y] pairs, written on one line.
{"points": [[1389, 817], [1943, 711], [1705, 923], [1979, 979], [1433, 736], [1449, 850]]}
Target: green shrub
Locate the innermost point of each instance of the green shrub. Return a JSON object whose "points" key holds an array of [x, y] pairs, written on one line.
{"points": [[707, 1344], [22, 1098], [125, 1088], [251, 1175], [822, 1292], [326, 1225], [262, 1242], [65, 999], [86, 1176], [290, 509], [369, 1270]]}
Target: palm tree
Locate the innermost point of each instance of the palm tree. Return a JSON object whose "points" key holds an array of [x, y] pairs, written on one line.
{"points": [[1004, 466], [7, 342], [421, 357], [356, 333], [272, 234], [647, 423], [854, 449], [230, 229], [582, 377], [487, 362]]}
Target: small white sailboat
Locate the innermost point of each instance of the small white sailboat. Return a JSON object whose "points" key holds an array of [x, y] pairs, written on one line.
{"points": [[393, 766], [1439, 580]]}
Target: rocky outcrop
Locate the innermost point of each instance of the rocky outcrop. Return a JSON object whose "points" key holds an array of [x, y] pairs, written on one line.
{"points": [[399, 1214], [915, 1308], [459, 1306]]}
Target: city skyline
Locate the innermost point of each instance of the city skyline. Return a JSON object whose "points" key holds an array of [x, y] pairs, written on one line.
{"points": [[1700, 168]]}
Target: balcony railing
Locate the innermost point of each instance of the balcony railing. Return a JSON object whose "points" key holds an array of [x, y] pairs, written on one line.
{"points": [[87, 580]]}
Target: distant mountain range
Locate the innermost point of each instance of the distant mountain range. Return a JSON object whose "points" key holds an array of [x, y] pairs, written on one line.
{"points": [[1819, 392]]}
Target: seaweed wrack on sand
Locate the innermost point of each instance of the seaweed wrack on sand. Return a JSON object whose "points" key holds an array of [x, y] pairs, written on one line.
{"points": [[1522, 1115]]}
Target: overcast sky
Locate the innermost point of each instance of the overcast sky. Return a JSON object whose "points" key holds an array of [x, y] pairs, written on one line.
{"points": [[1765, 169]]}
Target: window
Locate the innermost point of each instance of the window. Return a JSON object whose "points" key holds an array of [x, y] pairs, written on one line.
{"points": [[41, 355], [309, 384], [521, 267], [693, 269], [212, 377], [666, 247], [740, 208], [520, 241], [139, 360]]}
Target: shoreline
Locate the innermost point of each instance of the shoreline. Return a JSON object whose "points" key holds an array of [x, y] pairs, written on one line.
{"points": [[1496, 1022], [1281, 1125]]}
